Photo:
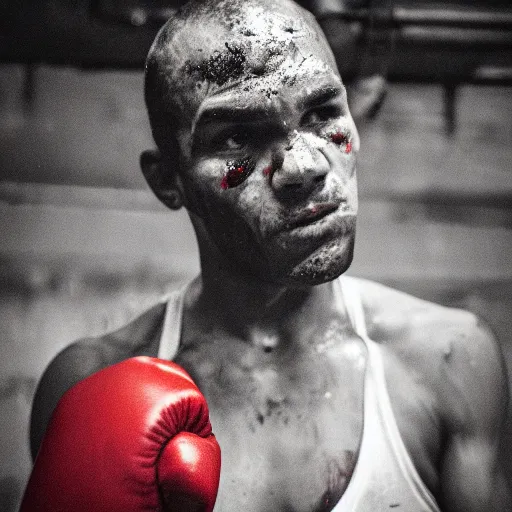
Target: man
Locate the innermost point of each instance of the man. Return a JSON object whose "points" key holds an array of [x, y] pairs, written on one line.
{"points": [[325, 393]]}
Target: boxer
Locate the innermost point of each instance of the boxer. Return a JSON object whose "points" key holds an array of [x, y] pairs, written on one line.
{"points": [[325, 392]]}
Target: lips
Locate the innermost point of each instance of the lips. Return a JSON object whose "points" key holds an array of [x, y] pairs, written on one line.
{"points": [[313, 213]]}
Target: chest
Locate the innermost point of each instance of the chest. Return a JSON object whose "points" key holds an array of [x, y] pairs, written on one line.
{"points": [[289, 425]]}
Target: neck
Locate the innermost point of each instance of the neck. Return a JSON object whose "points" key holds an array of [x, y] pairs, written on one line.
{"points": [[242, 304]]}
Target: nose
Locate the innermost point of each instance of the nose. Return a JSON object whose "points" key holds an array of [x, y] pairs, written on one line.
{"points": [[299, 169]]}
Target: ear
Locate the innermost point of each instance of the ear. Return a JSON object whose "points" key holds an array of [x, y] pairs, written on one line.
{"points": [[162, 180]]}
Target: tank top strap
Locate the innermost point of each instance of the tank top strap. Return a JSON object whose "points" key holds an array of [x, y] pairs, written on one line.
{"points": [[379, 406], [347, 293], [171, 328]]}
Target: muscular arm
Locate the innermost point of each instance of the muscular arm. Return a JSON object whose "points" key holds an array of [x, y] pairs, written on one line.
{"points": [[85, 357], [73, 364], [475, 399]]}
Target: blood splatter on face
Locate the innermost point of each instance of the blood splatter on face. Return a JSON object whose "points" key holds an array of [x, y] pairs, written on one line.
{"points": [[339, 139], [267, 170], [237, 172]]}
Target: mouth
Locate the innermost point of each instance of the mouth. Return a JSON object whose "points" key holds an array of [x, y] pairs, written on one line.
{"points": [[313, 213]]}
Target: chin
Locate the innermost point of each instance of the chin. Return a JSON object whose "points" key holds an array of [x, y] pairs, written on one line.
{"points": [[325, 264], [325, 260]]}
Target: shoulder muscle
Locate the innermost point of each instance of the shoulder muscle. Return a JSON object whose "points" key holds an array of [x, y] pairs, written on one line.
{"points": [[85, 357], [454, 350], [73, 364], [474, 378]]}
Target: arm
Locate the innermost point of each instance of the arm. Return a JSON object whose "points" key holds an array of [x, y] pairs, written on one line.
{"points": [[474, 398], [87, 356], [74, 363]]}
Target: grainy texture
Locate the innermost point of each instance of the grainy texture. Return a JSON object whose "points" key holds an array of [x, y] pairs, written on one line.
{"points": [[75, 262], [220, 67]]}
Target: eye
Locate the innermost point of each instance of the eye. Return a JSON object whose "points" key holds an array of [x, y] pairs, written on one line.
{"points": [[232, 141], [321, 115]]}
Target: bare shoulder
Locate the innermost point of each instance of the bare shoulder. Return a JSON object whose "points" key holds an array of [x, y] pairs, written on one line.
{"points": [[452, 348], [87, 356], [395, 317]]}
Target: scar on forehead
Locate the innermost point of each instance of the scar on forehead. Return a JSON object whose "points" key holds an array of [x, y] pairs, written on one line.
{"points": [[220, 67]]}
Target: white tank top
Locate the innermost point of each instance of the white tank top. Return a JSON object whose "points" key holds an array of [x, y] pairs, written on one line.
{"points": [[384, 477]]}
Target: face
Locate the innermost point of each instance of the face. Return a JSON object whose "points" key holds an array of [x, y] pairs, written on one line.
{"points": [[269, 155]]}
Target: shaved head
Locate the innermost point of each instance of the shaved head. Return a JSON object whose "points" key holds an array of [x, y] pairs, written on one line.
{"points": [[250, 115], [206, 46]]}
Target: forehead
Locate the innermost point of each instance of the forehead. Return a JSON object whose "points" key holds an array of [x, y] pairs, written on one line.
{"points": [[263, 100], [256, 55]]}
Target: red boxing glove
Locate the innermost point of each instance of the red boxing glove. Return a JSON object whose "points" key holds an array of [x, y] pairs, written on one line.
{"points": [[134, 436]]}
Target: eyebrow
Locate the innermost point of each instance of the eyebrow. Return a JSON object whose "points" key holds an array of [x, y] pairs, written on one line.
{"points": [[230, 114], [320, 96], [227, 113]]}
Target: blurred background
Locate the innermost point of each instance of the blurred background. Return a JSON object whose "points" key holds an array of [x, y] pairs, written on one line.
{"points": [[85, 246]]}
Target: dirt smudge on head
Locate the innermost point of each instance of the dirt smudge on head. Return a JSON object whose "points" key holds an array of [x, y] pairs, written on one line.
{"points": [[220, 67]]}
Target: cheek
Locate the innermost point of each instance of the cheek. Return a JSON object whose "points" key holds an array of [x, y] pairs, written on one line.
{"points": [[342, 139], [236, 202], [351, 190], [232, 197], [236, 172], [206, 186], [341, 149]]}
